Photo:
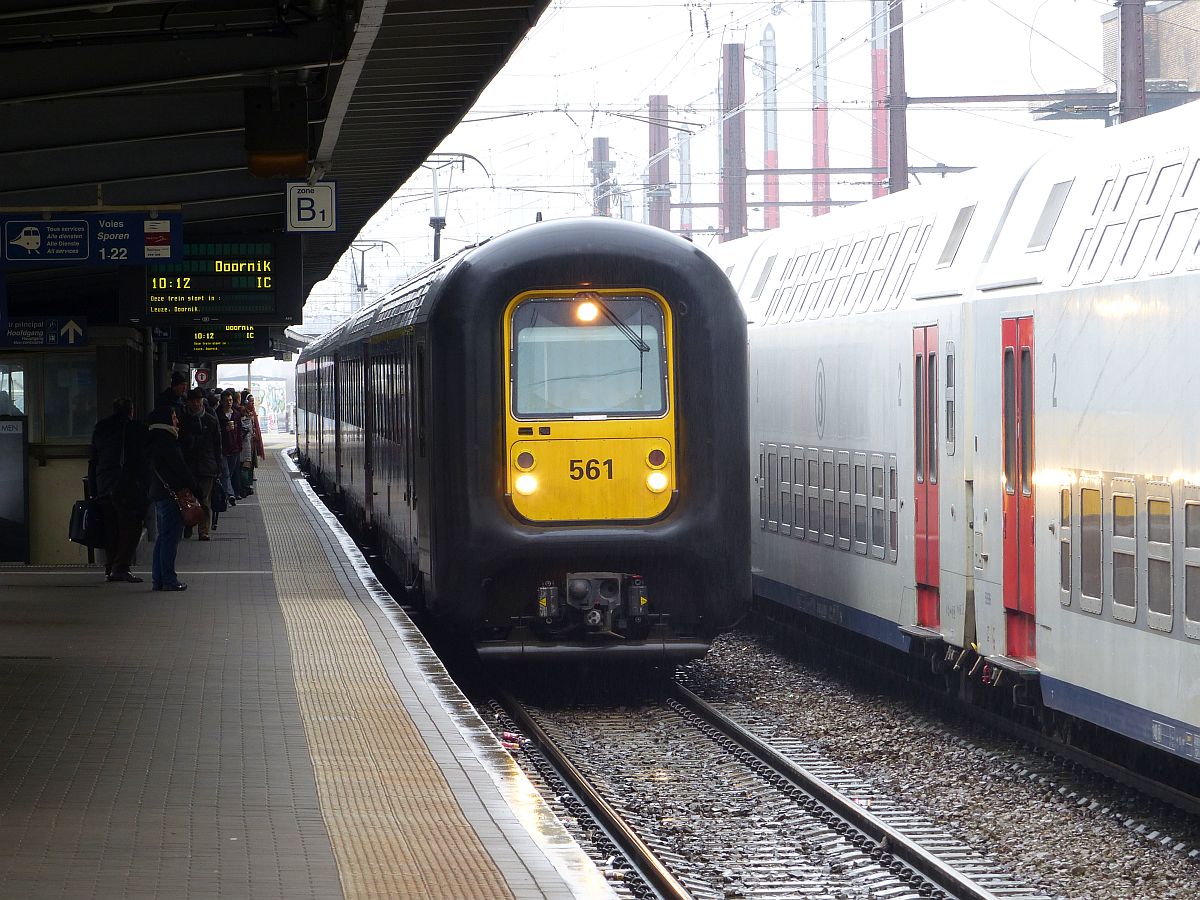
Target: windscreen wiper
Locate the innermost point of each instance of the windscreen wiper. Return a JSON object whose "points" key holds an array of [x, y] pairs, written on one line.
{"points": [[642, 346]]}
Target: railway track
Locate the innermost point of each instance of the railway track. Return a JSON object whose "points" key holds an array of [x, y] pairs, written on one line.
{"points": [[703, 807]]}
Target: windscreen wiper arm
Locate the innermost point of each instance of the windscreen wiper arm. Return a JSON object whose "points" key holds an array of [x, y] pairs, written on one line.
{"points": [[642, 346]]}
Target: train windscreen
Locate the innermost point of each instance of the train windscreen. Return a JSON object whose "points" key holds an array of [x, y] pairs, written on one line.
{"points": [[588, 355]]}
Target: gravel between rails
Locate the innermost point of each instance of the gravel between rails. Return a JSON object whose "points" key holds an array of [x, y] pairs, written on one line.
{"points": [[1075, 837]]}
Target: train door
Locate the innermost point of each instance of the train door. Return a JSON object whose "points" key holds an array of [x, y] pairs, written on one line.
{"points": [[925, 482], [1020, 606], [368, 436]]}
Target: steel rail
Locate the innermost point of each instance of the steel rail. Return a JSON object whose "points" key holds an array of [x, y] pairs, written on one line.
{"points": [[889, 839], [648, 866]]}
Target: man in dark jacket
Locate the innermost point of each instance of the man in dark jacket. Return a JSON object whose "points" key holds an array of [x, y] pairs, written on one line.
{"points": [[168, 474], [200, 441], [117, 476], [175, 396]]}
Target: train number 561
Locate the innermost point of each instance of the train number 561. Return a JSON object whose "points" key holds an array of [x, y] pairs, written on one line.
{"points": [[591, 469]]}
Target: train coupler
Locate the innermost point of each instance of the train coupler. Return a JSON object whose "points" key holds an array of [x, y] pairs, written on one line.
{"points": [[598, 600]]}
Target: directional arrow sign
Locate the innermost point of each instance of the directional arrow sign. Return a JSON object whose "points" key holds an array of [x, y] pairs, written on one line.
{"points": [[72, 331]]}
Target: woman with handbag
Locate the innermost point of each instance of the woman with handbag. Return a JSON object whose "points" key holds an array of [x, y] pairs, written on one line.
{"points": [[173, 491]]}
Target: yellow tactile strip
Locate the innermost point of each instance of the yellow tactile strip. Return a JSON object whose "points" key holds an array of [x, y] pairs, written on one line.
{"points": [[395, 826]]}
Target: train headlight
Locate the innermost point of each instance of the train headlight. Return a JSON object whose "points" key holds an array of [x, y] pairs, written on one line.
{"points": [[656, 459], [587, 311], [657, 481], [526, 484], [525, 461]]}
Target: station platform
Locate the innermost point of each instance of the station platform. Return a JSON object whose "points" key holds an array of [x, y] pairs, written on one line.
{"points": [[278, 730]]}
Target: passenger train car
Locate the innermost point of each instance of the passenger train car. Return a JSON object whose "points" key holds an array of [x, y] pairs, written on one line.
{"points": [[975, 425], [545, 436]]}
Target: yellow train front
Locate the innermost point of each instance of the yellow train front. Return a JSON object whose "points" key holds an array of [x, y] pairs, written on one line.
{"points": [[578, 421]]}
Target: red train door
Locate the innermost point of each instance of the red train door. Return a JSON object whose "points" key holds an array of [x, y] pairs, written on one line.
{"points": [[1020, 605], [925, 447]]}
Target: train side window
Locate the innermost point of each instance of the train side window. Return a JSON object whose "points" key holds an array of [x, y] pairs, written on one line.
{"points": [[845, 493], [785, 490], [1044, 228], [1026, 421], [860, 503], [762, 278], [798, 493], [950, 398], [813, 525], [828, 498], [1091, 513], [762, 486], [1170, 249], [772, 488], [1064, 546], [893, 506], [954, 240], [1124, 555], [1010, 421], [931, 445], [878, 508], [1159, 594], [1191, 568], [919, 416]]}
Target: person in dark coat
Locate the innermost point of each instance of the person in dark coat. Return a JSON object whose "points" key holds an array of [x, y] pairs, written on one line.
{"points": [[200, 440], [168, 472], [117, 478], [176, 394], [232, 432]]}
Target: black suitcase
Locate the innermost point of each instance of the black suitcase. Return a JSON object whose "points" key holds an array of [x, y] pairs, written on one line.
{"points": [[87, 523]]}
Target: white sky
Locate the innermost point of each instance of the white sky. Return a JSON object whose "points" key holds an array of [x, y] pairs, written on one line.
{"points": [[590, 65]]}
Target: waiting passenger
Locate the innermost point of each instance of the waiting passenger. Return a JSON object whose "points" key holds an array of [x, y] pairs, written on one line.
{"points": [[200, 440], [168, 473], [117, 477]]}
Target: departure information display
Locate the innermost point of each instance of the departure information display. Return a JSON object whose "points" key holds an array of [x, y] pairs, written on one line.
{"points": [[252, 281], [237, 341]]}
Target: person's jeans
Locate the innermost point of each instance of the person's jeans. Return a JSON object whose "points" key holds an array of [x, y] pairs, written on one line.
{"points": [[170, 532], [234, 462], [205, 498]]}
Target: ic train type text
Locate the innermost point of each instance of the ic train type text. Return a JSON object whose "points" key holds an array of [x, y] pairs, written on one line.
{"points": [[545, 437], [975, 426]]}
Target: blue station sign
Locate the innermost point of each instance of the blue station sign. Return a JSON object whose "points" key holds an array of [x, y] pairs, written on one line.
{"points": [[117, 238], [44, 331]]}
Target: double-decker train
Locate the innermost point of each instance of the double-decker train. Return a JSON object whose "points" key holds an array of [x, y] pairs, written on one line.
{"points": [[545, 437], [975, 426]]}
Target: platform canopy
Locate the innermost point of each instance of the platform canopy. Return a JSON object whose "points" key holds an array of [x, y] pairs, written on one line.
{"points": [[146, 102]]}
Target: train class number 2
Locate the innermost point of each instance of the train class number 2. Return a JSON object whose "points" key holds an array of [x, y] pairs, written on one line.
{"points": [[591, 469]]}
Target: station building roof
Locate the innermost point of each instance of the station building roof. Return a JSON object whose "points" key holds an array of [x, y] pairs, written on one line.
{"points": [[139, 103]]}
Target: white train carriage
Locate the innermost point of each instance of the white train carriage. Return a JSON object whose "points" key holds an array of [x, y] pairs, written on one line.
{"points": [[975, 410]]}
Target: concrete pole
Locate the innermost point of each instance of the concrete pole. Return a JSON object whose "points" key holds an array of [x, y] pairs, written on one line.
{"points": [[820, 137], [1131, 82], [685, 183], [660, 164], [733, 141], [897, 102], [879, 80], [770, 132]]}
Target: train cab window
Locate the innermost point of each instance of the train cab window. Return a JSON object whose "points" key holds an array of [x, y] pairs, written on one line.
{"points": [[955, 238], [588, 355], [1090, 545], [1124, 556], [919, 416], [1044, 228], [1159, 598]]}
